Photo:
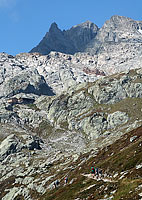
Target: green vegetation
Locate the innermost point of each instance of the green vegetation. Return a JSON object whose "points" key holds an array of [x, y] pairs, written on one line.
{"points": [[44, 129], [64, 125], [127, 190], [33, 107]]}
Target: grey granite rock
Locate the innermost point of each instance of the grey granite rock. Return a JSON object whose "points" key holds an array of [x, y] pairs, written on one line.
{"points": [[117, 118], [8, 146], [15, 191], [28, 82], [14, 144]]}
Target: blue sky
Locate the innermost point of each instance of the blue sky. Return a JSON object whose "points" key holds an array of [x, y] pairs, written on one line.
{"points": [[23, 23]]}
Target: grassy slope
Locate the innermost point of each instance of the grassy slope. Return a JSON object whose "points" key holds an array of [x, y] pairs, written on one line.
{"points": [[122, 156]]}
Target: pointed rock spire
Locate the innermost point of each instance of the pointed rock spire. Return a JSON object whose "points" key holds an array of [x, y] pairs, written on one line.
{"points": [[53, 27]]}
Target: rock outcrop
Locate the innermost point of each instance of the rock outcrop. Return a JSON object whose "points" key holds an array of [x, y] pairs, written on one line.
{"points": [[41, 139], [8, 146], [44, 75], [52, 74], [78, 108], [13, 144]]}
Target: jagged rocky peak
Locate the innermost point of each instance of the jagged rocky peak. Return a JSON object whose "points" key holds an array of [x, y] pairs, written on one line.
{"points": [[117, 32], [126, 22], [87, 35], [53, 27], [54, 30], [54, 37], [121, 22], [69, 41], [120, 29], [54, 40]]}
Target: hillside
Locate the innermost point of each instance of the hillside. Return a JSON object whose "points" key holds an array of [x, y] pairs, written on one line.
{"points": [[44, 140], [122, 168]]}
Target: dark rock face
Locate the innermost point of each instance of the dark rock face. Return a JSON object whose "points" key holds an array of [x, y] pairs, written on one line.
{"points": [[82, 34], [70, 41], [34, 143]]}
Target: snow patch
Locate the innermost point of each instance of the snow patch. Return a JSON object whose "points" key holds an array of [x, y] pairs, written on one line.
{"points": [[140, 31]]}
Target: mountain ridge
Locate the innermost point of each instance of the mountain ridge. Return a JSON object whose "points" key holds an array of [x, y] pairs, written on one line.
{"points": [[111, 31], [67, 41]]}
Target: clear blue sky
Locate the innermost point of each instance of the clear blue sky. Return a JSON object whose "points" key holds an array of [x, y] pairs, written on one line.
{"points": [[23, 23]]}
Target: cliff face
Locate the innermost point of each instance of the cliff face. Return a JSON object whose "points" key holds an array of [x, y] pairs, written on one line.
{"points": [[70, 41]]}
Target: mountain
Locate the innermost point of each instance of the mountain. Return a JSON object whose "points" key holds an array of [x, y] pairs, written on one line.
{"points": [[115, 47], [62, 112], [116, 31], [88, 37], [70, 41]]}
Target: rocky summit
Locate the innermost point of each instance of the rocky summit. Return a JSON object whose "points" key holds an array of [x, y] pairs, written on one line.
{"points": [[70, 41], [72, 103]]}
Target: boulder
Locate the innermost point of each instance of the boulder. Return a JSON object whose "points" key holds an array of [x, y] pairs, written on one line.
{"points": [[106, 92], [9, 146], [116, 119], [134, 90], [27, 81], [92, 126]]}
